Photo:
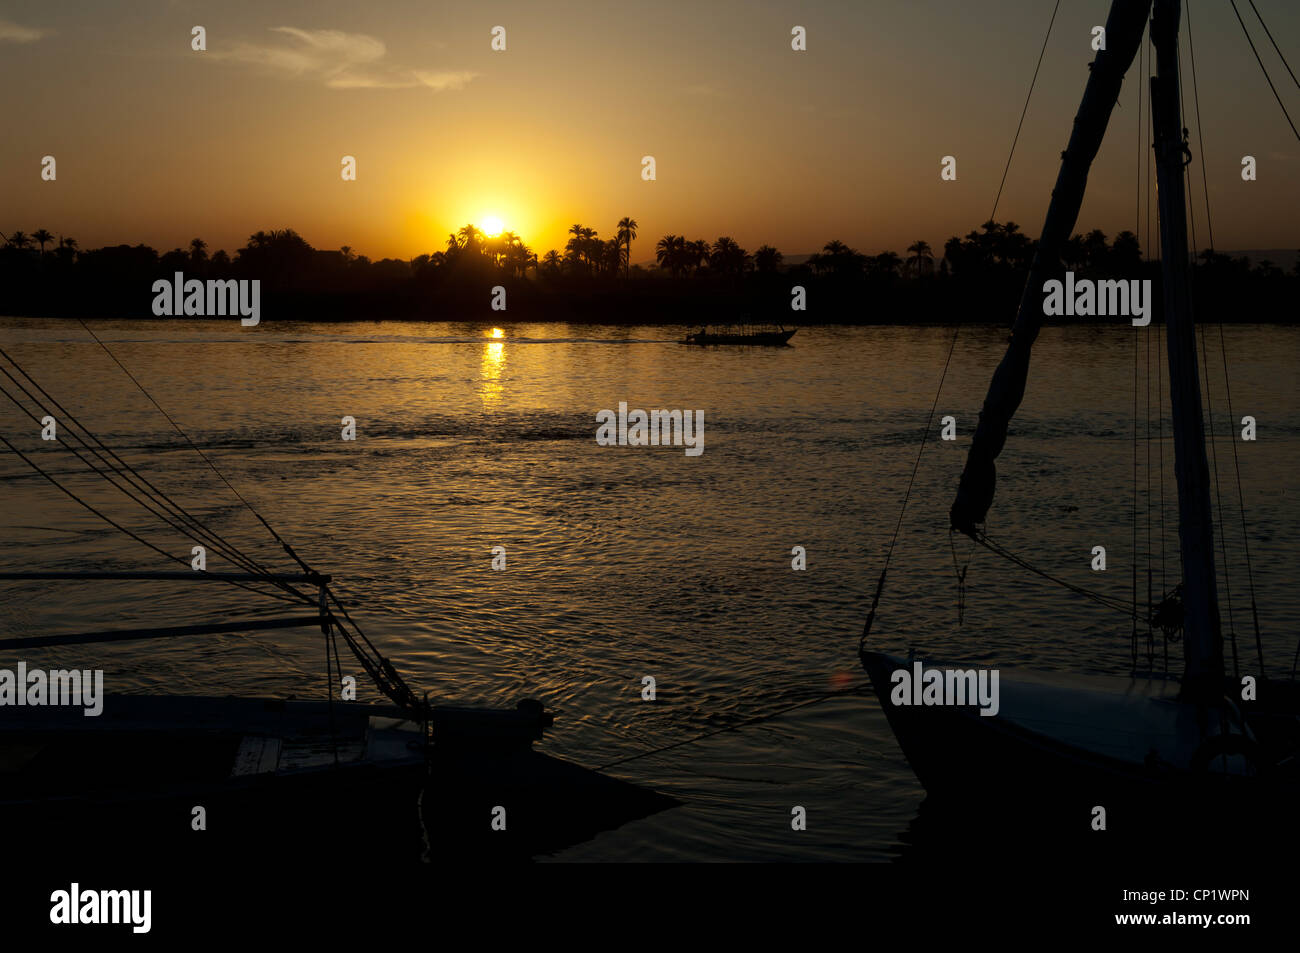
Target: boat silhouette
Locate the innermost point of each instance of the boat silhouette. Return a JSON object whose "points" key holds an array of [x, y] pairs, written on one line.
{"points": [[1150, 748], [162, 775]]}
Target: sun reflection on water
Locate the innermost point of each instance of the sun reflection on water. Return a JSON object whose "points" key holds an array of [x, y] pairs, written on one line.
{"points": [[494, 360]]}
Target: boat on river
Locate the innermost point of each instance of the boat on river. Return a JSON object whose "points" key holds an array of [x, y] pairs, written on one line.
{"points": [[1149, 747], [744, 334], [281, 777]]}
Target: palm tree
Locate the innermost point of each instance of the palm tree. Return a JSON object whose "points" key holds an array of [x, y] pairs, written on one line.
{"points": [[19, 240], [69, 243], [198, 250], [668, 253], [767, 260], [697, 253], [626, 232], [551, 262], [887, 264], [470, 238], [920, 251], [727, 257], [589, 247], [41, 237], [346, 252]]}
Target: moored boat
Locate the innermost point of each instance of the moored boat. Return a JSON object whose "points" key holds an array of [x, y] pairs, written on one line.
{"points": [[1146, 745]]}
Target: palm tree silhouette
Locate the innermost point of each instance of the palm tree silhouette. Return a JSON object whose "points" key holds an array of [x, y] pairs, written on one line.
{"points": [[671, 253], [470, 238], [767, 260], [19, 240], [41, 237], [627, 232], [589, 247], [198, 250], [921, 254]]}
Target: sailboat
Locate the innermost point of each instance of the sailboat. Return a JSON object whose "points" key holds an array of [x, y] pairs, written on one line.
{"points": [[1140, 745], [146, 775]]}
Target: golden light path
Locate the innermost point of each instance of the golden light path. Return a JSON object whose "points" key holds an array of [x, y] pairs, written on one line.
{"points": [[494, 359]]}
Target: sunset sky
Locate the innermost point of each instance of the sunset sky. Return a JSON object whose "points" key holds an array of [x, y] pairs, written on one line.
{"points": [[158, 144]]}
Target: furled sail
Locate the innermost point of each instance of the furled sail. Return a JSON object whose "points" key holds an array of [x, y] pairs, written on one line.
{"points": [[1124, 28]]}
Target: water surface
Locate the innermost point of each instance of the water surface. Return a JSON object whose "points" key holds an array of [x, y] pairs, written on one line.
{"points": [[633, 562]]}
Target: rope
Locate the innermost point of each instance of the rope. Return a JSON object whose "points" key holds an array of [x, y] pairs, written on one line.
{"points": [[193, 446], [999, 550], [1200, 128], [386, 677], [1024, 111], [907, 495], [100, 514], [1274, 42], [1261, 66], [137, 481], [816, 699]]}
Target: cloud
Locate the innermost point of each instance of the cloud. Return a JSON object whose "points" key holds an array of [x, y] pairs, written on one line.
{"points": [[14, 33], [341, 61], [444, 80]]}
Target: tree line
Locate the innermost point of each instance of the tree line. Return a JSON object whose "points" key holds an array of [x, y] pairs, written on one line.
{"points": [[978, 276]]}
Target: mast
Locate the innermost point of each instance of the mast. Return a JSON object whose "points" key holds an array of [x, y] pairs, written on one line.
{"points": [[1124, 27], [1202, 637]]}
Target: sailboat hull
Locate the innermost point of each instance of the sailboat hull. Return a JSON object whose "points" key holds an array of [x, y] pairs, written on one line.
{"points": [[295, 779], [1059, 747]]}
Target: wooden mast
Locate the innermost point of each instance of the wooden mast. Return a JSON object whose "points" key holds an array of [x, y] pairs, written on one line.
{"points": [[1125, 25], [1202, 636]]}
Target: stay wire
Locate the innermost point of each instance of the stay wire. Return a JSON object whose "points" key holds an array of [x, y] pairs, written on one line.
{"points": [[138, 481], [1269, 33], [212, 466], [99, 513], [1024, 111], [1263, 69], [907, 495], [172, 511]]}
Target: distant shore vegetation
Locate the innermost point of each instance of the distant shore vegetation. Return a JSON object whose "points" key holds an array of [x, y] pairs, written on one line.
{"points": [[975, 278]]}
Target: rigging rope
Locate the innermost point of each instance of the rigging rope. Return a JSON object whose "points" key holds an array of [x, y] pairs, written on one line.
{"points": [[120, 467], [1223, 353], [998, 549], [907, 495], [386, 677], [98, 512], [1274, 42], [221, 476], [1024, 111], [1268, 78]]}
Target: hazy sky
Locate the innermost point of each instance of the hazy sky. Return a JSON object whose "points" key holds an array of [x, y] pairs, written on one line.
{"points": [[156, 143]]}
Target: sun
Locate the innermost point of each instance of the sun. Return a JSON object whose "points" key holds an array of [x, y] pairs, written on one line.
{"points": [[493, 226]]}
